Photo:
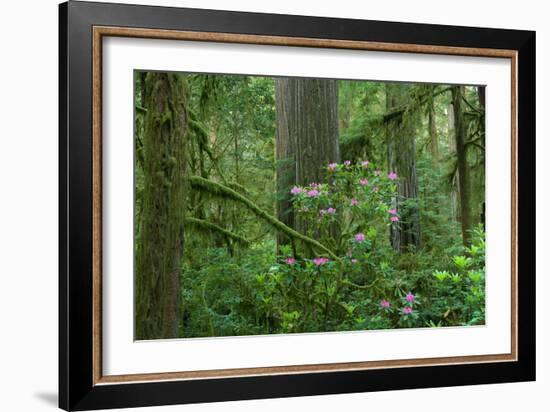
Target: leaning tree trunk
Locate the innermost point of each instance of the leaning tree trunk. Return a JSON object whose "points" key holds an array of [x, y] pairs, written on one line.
{"points": [[400, 138], [307, 138], [462, 164], [160, 243]]}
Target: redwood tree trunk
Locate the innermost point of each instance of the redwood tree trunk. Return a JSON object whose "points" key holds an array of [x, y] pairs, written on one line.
{"points": [[160, 243], [307, 137], [462, 164], [400, 135]]}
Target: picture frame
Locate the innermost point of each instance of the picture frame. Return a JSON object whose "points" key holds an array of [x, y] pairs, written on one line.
{"points": [[82, 28]]}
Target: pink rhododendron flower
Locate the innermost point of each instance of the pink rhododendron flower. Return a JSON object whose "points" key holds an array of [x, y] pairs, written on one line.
{"points": [[290, 260], [332, 166], [320, 261], [394, 218], [407, 310], [409, 297], [354, 202], [392, 175], [296, 190], [384, 304], [392, 211], [365, 163], [313, 193], [347, 163], [359, 237], [364, 182]]}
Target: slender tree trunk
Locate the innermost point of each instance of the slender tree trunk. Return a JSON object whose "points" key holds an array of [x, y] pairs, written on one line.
{"points": [[400, 138], [432, 129], [160, 245], [481, 97], [462, 164], [307, 138]]}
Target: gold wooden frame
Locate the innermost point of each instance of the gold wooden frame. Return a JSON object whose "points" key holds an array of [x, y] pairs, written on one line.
{"points": [[101, 31]]}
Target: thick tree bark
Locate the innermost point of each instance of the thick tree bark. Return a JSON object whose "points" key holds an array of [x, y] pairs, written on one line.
{"points": [[462, 163], [160, 243], [307, 138], [400, 137]]}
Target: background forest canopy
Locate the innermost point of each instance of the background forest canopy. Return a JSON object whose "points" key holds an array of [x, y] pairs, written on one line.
{"points": [[284, 205]]}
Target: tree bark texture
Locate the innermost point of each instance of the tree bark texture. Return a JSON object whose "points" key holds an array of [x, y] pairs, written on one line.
{"points": [[307, 138], [400, 137], [161, 237], [462, 163]]}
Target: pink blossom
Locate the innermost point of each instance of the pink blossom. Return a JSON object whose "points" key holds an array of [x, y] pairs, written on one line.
{"points": [[359, 237], [392, 211], [354, 260], [296, 190], [313, 184], [365, 163], [364, 182], [384, 304], [332, 166], [409, 297], [290, 260], [320, 261], [392, 175], [394, 218], [313, 193], [407, 310], [331, 210], [354, 202], [347, 163]]}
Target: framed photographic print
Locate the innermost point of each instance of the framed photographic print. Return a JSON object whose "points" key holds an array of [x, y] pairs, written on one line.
{"points": [[257, 205]]}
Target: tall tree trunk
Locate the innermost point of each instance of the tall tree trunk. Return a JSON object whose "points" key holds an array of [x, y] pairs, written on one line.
{"points": [[307, 137], [432, 128], [481, 97], [400, 138], [160, 244], [462, 163]]}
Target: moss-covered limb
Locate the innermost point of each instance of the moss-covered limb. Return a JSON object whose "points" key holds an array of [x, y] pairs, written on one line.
{"points": [[213, 228], [355, 285], [220, 190], [419, 101]]}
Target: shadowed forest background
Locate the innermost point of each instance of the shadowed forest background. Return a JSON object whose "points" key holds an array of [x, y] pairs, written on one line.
{"points": [[286, 205]]}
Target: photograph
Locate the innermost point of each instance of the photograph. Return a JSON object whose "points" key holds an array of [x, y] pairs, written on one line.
{"points": [[286, 205]]}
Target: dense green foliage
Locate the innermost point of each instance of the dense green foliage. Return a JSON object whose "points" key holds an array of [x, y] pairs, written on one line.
{"points": [[337, 268]]}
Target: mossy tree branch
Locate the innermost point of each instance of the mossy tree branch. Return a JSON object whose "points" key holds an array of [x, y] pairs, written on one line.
{"points": [[213, 228], [217, 189]]}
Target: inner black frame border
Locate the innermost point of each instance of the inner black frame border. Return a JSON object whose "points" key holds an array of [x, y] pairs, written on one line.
{"points": [[76, 387]]}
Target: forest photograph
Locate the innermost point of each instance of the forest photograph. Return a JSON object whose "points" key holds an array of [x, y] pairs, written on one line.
{"points": [[279, 205]]}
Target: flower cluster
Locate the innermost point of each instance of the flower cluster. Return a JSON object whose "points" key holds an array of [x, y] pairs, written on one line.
{"points": [[320, 261], [407, 309]]}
